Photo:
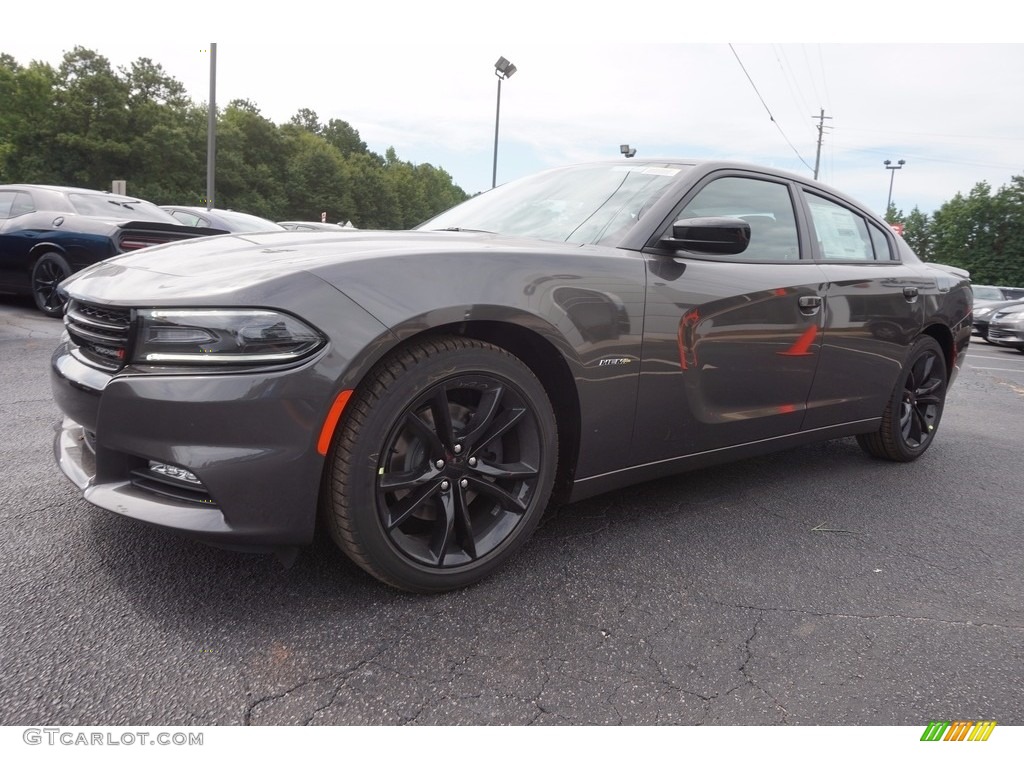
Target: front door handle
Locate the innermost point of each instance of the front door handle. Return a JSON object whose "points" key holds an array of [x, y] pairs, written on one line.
{"points": [[809, 305]]}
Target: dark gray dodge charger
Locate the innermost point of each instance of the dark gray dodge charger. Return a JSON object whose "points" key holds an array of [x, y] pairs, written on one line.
{"points": [[428, 393]]}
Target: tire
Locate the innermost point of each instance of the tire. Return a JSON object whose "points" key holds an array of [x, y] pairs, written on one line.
{"points": [[442, 465], [48, 272], [912, 415]]}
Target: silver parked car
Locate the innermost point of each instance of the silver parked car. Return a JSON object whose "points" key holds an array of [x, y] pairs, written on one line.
{"points": [[1006, 326]]}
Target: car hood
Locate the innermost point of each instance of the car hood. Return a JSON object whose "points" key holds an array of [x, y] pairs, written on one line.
{"points": [[214, 266]]}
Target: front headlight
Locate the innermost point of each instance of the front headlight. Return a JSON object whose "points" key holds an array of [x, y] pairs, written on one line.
{"points": [[1013, 317], [222, 337], [983, 312]]}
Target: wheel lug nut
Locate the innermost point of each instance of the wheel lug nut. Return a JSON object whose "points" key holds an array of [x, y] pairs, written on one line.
{"points": [[445, 485], [472, 462], [439, 463], [464, 483], [457, 448]]}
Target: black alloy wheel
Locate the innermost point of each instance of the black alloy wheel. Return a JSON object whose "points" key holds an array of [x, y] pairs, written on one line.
{"points": [[47, 274], [444, 465], [912, 416]]}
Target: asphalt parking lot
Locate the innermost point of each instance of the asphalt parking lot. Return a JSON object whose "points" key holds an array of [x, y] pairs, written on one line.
{"points": [[815, 586]]}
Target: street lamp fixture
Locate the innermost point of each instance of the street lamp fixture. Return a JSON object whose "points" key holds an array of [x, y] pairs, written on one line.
{"points": [[503, 69], [889, 166], [627, 150]]}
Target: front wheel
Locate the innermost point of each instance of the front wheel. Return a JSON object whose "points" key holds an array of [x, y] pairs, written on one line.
{"points": [[912, 416], [442, 465], [47, 274]]}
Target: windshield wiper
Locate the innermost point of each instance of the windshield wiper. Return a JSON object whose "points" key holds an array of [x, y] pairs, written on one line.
{"points": [[463, 229]]}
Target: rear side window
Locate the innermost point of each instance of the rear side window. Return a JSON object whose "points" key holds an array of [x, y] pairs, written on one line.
{"points": [[189, 219], [880, 243], [842, 234], [14, 203]]}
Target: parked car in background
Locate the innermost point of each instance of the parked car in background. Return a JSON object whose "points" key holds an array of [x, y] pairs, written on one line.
{"points": [[985, 295], [983, 315], [424, 393], [229, 221], [49, 232], [1006, 326], [309, 226]]}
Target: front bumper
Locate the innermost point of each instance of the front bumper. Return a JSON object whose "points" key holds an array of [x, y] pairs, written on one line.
{"points": [[1007, 335], [249, 439]]}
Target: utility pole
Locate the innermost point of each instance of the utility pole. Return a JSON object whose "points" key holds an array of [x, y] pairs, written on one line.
{"points": [[822, 117]]}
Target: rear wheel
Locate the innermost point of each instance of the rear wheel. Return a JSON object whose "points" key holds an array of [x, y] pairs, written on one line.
{"points": [[47, 274], [442, 466], [912, 416]]}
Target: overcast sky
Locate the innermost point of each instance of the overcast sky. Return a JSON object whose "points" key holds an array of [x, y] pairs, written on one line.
{"points": [[592, 76]]}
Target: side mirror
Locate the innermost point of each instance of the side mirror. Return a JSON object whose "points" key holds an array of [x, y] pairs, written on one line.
{"points": [[713, 234]]}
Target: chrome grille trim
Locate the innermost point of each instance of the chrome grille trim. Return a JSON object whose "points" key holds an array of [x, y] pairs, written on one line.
{"points": [[99, 335]]}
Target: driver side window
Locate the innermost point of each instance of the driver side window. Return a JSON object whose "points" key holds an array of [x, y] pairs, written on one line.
{"points": [[765, 205]]}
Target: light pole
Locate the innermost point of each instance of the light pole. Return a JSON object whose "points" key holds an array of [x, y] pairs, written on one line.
{"points": [[211, 129], [503, 68], [892, 177]]}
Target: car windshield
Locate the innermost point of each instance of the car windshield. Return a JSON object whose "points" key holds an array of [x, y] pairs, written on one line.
{"points": [[117, 207], [580, 204], [987, 293]]}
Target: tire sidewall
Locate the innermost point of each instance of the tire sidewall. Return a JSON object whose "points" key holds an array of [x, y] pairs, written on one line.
{"points": [[925, 344], [62, 264], [359, 493]]}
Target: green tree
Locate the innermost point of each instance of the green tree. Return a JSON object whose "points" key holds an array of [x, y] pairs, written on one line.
{"points": [[344, 137], [27, 121], [89, 147], [85, 124], [307, 119], [315, 180], [917, 233], [251, 161], [983, 232]]}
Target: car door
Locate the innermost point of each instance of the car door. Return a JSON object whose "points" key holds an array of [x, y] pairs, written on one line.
{"points": [[874, 311], [16, 207], [730, 343]]}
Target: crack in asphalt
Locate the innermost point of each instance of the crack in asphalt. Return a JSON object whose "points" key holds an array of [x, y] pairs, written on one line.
{"points": [[825, 614], [750, 657]]}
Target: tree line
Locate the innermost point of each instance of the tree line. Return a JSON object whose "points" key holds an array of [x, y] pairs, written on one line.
{"points": [[982, 232], [84, 123]]}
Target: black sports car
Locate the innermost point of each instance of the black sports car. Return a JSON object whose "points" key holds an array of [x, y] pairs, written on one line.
{"points": [[47, 233], [427, 392]]}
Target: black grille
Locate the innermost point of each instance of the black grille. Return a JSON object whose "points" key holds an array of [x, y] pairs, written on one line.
{"points": [[99, 334]]}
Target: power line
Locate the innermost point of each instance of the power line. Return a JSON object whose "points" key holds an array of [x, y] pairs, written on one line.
{"points": [[943, 160], [766, 109], [824, 80]]}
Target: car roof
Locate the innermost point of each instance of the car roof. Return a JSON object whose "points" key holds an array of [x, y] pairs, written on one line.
{"points": [[69, 190]]}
